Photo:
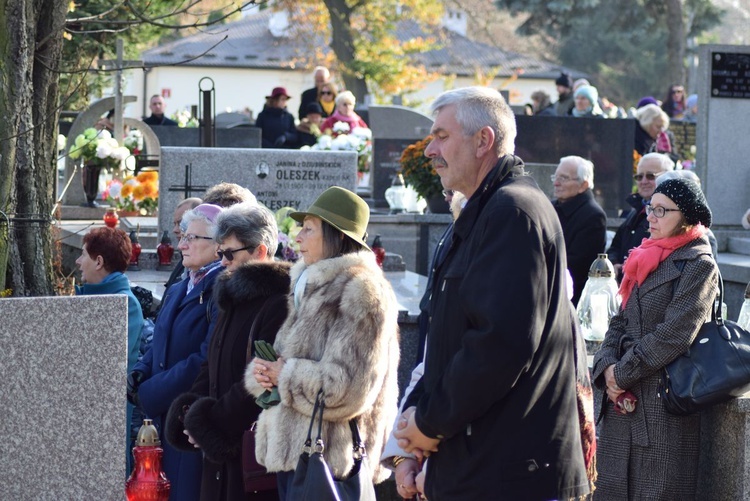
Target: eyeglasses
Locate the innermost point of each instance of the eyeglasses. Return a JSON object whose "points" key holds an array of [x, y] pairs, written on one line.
{"points": [[658, 211], [189, 238], [678, 91], [649, 175], [562, 178], [447, 193], [229, 253], [326, 93]]}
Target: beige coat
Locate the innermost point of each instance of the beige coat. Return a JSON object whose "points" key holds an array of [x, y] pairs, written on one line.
{"points": [[343, 338]]}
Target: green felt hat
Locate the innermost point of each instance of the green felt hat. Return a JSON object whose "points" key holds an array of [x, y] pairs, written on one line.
{"points": [[343, 210]]}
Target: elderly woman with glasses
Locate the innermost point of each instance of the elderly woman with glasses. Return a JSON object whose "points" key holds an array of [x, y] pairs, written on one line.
{"points": [[344, 113], [635, 227], [180, 344], [668, 292], [251, 294]]}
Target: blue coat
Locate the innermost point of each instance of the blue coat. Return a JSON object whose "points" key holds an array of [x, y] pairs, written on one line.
{"points": [[170, 366], [118, 283]]}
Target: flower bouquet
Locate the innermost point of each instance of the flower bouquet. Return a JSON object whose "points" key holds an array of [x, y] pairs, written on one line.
{"points": [[342, 139], [184, 119], [99, 148], [418, 171], [134, 193], [288, 228]]}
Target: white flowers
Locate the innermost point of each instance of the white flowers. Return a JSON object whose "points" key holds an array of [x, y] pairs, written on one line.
{"points": [[341, 128]]}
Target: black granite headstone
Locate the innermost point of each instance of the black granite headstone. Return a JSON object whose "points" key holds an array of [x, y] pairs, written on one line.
{"points": [[607, 143]]}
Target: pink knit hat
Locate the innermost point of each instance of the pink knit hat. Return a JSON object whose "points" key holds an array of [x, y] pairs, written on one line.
{"points": [[210, 211]]}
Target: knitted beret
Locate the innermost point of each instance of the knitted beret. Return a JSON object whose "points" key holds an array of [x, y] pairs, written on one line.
{"points": [[689, 199]]}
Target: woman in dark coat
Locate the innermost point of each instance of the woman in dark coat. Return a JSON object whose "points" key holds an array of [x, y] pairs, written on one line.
{"points": [[668, 292], [180, 344], [276, 123], [251, 295]]}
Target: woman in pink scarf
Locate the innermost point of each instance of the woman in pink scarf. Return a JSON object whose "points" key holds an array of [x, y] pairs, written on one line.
{"points": [[345, 102], [667, 291]]}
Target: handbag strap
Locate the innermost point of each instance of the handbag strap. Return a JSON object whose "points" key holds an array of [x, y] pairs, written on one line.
{"points": [[359, 449]]}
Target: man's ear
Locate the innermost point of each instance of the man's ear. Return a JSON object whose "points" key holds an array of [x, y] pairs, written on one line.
{"points": [[584, 186], [485, 141]]}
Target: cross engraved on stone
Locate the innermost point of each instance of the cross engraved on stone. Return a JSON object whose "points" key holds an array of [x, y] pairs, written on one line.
{"points": [[188, 188]]}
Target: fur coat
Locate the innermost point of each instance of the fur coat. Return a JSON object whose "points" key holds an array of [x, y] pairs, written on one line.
{"points": [[343, 338]]}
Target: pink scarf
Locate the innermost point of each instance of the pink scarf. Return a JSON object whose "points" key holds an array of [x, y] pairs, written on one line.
{"points": [[645, 258]]}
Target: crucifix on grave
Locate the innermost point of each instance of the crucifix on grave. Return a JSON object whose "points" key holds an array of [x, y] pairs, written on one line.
{"points": [[119, 65], [188, 188]]}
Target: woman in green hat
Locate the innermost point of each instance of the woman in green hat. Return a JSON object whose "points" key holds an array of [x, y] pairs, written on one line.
{"points": [[341, 336]]}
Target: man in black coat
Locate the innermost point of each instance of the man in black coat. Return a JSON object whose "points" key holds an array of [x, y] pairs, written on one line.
{"points": [[495, 410], [157, 107], [634, 229], [584, 223], [322, 76]]}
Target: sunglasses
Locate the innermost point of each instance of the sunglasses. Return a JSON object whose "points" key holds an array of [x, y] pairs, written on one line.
{"points": [[229, 253], [678, 91], [649, 175], [327, 93]]}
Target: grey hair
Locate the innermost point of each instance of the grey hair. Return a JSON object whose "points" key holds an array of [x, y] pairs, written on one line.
{"points": [[478, 107], [345, 96], [192, 215], [322, 69], [665, 162], [584, 168], [252, 224], [677, 174], [647, 114]]}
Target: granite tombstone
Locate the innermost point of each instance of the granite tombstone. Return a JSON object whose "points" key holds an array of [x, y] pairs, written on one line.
{"points": [[278, 178], [64, 365]]}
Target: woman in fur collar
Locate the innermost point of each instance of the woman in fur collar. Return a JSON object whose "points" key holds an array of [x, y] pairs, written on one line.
{"points": [[341, 335], [251, 295]]}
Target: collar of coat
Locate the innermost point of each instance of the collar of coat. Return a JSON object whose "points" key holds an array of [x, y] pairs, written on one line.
{"points": [[668, 272], [250, 281], [507, 166], [575, 203], [326, 270]]}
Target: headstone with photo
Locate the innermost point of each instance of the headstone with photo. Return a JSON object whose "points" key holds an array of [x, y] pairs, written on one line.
{"points": [[393, 129], [278, 178]]}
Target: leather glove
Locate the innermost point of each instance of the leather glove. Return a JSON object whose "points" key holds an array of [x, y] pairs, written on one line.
{"points": [[280, 140], [133, 381]]}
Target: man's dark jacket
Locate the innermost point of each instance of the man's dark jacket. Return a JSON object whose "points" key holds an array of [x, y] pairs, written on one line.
{"points": [[162, 120], [253, 305], [499, 383], [308, 96], [584, 226], [631, 232]]}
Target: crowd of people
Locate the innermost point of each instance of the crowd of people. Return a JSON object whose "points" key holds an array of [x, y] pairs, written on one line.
{"points": [[501, 404]]}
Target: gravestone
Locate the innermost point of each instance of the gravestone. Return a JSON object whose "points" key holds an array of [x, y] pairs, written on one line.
{"points": [[393, 129], [723, 160], [607, 143], [239, 137], [63, 366], [278, 178]]}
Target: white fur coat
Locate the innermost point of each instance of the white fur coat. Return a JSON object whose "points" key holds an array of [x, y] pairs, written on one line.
{"points": [[343, 338]]}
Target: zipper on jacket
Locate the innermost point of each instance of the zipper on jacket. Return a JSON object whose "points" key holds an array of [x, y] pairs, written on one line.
{"points": [[443, 288], [468, 430], [200, 300]]}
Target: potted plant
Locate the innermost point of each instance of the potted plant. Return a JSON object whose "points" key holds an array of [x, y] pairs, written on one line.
{"points": [[419, 173]]}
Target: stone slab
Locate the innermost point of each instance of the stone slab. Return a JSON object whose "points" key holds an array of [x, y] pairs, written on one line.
{"points": [[723, 157], [278, 178], [393, 129], [241, 137], [63, 368]]}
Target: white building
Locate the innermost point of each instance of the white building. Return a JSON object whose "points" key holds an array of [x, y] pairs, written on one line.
{"points": [[257, 55]]}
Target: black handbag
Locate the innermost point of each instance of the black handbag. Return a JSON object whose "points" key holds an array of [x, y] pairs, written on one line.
{"points": [[312, 478], [715, 369]]}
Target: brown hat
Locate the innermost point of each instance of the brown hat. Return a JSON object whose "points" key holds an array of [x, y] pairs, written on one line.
{"points": [[279, 91]]}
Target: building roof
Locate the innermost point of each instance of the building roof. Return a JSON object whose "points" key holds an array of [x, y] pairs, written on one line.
{"points": [[250, 44]]}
